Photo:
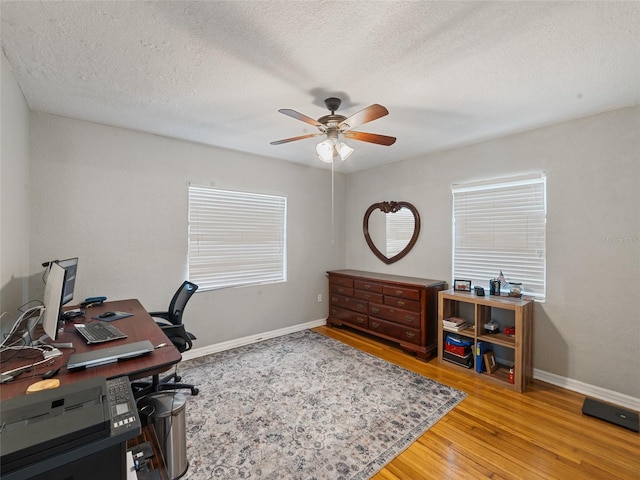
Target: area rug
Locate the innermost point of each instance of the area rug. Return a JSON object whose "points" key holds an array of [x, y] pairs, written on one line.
{"points": [[304, 406]]}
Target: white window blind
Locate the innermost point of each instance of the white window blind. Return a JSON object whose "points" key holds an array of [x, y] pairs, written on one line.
{"points": [[400, 226], [236, 238], [501, 225]]}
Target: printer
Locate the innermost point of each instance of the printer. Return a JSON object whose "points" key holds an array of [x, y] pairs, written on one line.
{"points": [[74, 431]]}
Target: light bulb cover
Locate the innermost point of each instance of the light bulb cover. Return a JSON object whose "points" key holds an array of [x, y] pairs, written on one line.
{"points": [[325, 151], [344, 150]]}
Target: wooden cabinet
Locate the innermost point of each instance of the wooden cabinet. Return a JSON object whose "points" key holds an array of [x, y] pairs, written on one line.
{"points": [[400, 309], [513, 352]]}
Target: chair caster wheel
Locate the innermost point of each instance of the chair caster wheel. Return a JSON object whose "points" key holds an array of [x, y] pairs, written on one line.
{"points": [[194, 391]]}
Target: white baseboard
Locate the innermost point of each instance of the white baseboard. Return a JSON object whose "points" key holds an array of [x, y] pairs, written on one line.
{"points": [[591, 390], [564, 382], [239, 342]]}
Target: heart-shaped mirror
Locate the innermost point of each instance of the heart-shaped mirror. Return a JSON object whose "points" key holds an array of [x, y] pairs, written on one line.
{"points": [[392, 228]]}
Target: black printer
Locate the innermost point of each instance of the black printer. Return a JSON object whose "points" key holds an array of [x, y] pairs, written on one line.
{"points": [[74, 431]]}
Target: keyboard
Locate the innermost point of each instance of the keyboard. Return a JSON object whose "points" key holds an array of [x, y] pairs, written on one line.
{"points": [[99, 332]]}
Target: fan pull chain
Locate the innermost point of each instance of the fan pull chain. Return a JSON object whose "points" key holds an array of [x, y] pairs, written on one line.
{"points": [[332, 209]]}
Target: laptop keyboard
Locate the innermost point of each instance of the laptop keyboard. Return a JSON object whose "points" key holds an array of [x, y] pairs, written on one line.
{"points": [[99, 332]]}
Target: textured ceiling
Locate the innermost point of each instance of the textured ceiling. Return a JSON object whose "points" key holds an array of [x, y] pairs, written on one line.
{"points": [[216, 72]]}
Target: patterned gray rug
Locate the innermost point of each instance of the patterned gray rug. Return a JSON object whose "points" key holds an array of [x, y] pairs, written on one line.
{"points": [[304, 406]]}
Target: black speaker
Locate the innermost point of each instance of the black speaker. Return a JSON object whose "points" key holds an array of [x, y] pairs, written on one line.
{"points": [[611, 413]]}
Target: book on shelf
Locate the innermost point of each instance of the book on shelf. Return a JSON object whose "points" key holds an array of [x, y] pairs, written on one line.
{"points": [[454, 324]]}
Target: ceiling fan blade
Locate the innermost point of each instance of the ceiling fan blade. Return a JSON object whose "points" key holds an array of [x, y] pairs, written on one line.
{"points": [[299, 116], [369, 114], [293, 139], [370, 137]]}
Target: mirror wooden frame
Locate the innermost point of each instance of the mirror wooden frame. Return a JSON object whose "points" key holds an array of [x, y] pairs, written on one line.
{"points": [[391, 207]]}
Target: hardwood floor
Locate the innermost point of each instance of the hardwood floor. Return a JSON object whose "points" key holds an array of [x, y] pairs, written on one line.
{"points": [[499, 434]]}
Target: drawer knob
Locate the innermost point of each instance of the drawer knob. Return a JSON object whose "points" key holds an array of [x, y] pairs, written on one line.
{"points": [[409, 334], [375, 324], [375, 309], [400, 303], [410, 318], [399, 292], [360, 320], [334, 299], [367, 287]]}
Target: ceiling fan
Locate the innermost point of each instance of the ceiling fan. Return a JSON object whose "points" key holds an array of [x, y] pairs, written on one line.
{"points": [[335, 125]]}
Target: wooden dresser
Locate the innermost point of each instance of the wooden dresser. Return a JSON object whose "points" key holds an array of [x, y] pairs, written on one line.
{"points": [[400, 309]]}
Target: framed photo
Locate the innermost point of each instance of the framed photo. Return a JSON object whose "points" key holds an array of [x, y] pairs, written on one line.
{"points": [[490, 361], [462, 285]]}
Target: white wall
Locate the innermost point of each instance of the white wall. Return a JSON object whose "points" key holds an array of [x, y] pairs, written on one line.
{"points": [[588, 329], [14, 193], [117, 199]]}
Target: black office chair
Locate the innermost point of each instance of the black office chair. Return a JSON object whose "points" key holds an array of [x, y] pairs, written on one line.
{"points": [[174, 329]]}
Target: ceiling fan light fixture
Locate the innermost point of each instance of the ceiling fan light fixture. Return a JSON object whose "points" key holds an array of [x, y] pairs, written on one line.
{"points": [[344, 150], [325, 150]]}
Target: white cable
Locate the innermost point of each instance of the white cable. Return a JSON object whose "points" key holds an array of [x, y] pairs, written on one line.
{"points": [[25, 316]]}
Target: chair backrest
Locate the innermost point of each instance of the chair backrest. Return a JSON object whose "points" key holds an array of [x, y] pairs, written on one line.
{"points": [[179, 301]]}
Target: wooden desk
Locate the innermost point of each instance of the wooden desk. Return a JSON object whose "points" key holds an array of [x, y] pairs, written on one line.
{"points": [[138, 327]]}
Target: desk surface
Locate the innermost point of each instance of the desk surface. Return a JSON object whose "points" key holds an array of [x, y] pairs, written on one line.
{"points": [[138, 327]]}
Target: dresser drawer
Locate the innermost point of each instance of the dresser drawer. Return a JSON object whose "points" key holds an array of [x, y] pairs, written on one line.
{"points": [[346, 291], [394, 330], [413, 305], [368, 286], [369, 296], [402, 292], [398, 315], [349, 303], [342, 281], [348, 316]]}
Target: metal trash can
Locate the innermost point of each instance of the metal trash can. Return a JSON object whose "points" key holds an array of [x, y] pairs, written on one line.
{"points": [[166, 411]]}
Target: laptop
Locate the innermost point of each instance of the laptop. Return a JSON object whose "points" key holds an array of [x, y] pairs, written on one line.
{"points": [[104, 356], [99, 332]]}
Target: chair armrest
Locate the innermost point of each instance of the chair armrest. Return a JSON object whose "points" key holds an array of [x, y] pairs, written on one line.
{"points": [[164, 315], [178, 332]]}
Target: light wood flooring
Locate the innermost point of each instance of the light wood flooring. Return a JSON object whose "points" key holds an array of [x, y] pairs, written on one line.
{"points": [[499, 434]]}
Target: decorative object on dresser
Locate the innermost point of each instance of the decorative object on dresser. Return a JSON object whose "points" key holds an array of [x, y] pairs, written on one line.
{"points": [[396, 234], [396, 308], [504, 358]]}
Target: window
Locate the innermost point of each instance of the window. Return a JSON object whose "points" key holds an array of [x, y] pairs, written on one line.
{"points": [[501, 225], [236, 238]]}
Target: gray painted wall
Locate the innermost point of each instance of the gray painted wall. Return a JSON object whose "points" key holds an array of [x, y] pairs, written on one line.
{"points": [[117, 199], [589, 327], [14, 194]]}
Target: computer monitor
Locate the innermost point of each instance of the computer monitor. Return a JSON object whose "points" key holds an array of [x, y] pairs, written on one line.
{"points": [[53, 299], [70, 266]]}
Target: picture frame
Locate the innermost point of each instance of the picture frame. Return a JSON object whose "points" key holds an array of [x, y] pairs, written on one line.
{"points": [[490, 361], [462, 285]]}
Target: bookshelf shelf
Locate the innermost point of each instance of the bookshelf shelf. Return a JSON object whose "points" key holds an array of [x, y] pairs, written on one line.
{"points": [[510, 351]]}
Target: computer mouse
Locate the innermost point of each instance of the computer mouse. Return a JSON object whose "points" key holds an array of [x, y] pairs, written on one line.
{"points": [[107, 314]]}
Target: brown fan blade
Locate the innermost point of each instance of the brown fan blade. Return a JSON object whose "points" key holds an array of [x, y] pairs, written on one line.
{"points": [[293, 139], [300, 116], [370, 137], [369, 114]]}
